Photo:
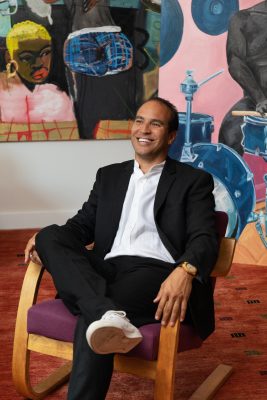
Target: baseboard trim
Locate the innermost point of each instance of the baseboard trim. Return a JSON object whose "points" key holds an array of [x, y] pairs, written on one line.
{"points": [[34, 219]]}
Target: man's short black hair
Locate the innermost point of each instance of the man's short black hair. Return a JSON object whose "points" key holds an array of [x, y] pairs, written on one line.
{"points": [[174, 119]]}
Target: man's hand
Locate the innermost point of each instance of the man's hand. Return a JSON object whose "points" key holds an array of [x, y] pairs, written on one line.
{"points": [[173, 297], [30, 252]]}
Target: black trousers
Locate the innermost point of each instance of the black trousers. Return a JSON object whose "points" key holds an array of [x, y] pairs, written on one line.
{"points": [[89, 286]]}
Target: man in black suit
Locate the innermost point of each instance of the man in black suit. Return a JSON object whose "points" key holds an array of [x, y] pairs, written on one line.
{"points": [[152, 224]]}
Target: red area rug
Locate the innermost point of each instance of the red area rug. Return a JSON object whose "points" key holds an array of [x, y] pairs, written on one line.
{"points": [[240, 338]]}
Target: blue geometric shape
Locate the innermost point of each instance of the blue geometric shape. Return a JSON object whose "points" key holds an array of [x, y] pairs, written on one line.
{"points": [[81, 53], [201, 128], [234, 184], [212, 16], [171, 29], [254, 132]]}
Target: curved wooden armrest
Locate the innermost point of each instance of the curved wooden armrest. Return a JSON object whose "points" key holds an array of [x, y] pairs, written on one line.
{"points": [[165, 373], [28, 297], [31, 283]]}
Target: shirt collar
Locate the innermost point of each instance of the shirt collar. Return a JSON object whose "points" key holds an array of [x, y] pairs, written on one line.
{"points": [[155, 169]]}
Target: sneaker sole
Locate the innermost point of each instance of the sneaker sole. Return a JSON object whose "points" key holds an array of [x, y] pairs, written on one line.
{"points": [[107, 340]]}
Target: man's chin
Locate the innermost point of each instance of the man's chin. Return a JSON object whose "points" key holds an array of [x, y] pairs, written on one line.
{"points": [[144, 154]]}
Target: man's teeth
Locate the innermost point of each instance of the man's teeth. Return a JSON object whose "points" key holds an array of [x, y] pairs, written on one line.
{"points": [[144, 140]]}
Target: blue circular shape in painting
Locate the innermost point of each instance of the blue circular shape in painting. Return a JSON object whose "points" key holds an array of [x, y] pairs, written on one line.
{"points": [[171, 29], [212, 16]]}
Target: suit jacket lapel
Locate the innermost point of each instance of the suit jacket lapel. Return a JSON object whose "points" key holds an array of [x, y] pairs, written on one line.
{"points": [[167, 178]]}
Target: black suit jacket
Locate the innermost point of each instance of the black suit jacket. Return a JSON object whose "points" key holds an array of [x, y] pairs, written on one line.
{"points": [[184, 216]]}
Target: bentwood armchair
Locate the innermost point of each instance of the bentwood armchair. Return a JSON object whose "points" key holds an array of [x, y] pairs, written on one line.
{"points": [[48, 328]]}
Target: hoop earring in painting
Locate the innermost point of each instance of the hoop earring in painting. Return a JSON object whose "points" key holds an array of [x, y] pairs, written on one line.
{"points": [[11, 69]]}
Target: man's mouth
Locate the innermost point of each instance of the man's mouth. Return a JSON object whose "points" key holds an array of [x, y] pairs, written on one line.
{"points": [[144, 140]]}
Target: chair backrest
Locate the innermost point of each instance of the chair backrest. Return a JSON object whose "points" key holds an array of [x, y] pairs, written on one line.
{"points": [[227, 247], [221, 222]]}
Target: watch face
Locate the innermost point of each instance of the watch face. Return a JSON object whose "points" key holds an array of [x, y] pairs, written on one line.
{"points": [[191, 269]]}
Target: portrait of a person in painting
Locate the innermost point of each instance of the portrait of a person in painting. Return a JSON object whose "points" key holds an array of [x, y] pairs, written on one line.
{"points": [[99, 59], [104, 65], [101, 54], [247, 60], [25, 95]]}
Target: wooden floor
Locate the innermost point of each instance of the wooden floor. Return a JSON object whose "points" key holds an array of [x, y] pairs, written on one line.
{"points": [[240, 338]]}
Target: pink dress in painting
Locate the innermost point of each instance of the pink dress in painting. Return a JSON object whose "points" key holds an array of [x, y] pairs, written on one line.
{"points": [[45, 103]]}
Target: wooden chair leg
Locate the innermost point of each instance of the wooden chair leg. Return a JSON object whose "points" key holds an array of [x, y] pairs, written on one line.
{"points": [[212, 384], [165, 374], [21, 377], [21, 354], [54, 380]]}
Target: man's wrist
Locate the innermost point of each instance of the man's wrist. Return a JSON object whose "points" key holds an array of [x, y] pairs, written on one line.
{"points": [[189, 268]]}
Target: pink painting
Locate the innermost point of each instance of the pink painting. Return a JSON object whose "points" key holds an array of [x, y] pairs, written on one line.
{"points": [[206, 54], [228, 38]]}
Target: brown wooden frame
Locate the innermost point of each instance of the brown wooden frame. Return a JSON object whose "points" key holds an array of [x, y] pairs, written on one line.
{"points": [[162, 371]]}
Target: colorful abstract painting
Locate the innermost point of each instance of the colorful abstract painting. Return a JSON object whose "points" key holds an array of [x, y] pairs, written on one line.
{"points": [[218, 79], [76, 69]]}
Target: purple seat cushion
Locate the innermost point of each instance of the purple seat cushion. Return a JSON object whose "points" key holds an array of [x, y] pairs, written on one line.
{"points": [[52, 319]]}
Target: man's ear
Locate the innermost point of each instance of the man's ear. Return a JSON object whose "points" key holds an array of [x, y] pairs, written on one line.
{"points": [[172, 136]]}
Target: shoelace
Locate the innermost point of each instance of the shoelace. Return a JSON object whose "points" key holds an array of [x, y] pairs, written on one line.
{"points": [[114, 314]]}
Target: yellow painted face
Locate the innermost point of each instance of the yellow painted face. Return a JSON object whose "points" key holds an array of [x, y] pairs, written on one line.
{"points": [[33, 57]]}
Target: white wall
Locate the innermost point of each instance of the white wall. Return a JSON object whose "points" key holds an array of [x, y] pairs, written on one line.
{"points": [[47, 182]]}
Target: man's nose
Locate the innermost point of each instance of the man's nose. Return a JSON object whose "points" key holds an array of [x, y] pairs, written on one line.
{"points": [[145, 127]]}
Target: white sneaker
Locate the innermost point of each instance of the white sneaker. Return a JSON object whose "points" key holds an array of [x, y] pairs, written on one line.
{"points": [[113, 333]]}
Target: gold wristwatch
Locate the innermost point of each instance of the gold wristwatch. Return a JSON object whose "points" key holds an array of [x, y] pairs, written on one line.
{"points": [[189, 268]]}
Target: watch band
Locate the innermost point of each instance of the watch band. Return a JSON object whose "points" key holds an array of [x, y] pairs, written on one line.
{"points": [[189, 268]]}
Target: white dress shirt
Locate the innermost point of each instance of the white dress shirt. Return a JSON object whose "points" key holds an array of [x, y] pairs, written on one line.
{"points": [[137, 234]]}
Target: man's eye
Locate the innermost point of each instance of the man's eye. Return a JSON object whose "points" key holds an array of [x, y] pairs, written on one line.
{"points": [[26, 59], [157, 124]]}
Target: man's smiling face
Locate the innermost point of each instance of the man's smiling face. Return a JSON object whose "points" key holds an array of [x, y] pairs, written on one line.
{"points": [[150, 132]]}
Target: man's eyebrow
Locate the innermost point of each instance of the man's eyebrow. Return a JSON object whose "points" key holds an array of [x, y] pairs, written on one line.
{"points": [[151, 120], [157, 120]]}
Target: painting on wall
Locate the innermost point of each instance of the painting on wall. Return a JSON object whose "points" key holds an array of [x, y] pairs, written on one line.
{"points": [[218, 79], [76, 69]]}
